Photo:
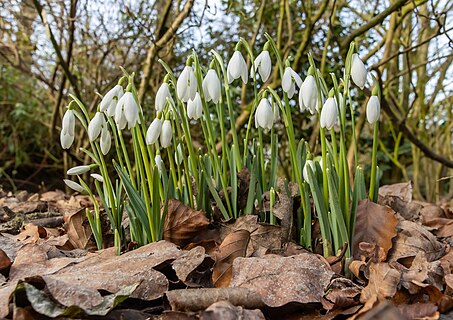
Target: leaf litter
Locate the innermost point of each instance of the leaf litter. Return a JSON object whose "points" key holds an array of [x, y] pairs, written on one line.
{"points": [[401, 268]]}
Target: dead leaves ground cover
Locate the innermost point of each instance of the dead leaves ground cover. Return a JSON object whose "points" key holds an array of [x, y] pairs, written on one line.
{"points": [[240, 269]]}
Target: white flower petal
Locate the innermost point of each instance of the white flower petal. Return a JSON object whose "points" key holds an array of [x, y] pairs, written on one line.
{"points": [[373, 109], [182, 84], [78, 170], [74, 185], [287, 80], [264, 115], [106, 141], [358, 71], [66, 140], [154, 130], [95, 126], [97, 176], [329, 114], [166, 134]]}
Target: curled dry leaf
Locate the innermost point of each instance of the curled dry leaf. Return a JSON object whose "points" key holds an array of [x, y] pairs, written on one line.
{"points": [[186, 265], [400, 190], [78, 229], [383, 282], [281, 280], [31, 234], [224, 310], [413, 238], [232, 247], [342, 293], [182, 223], [419, 310], [375, 224]]}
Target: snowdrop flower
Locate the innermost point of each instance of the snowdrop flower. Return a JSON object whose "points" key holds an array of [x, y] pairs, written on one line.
{"points": [[329, 114], [263, 65], [161, 97], [67, 129], [308, 95], [178, 154], [264, 116], [110, 100], [358, 71], [237, 67], [289, 81], [373, 109], [78, 170], [97, 176], [166, 134], [194, 107], [106, 141], [211, 86], [159, 162], [74, 185], [186, 86], [154, 130], [127, 111], [311, 164], [95, 126]]}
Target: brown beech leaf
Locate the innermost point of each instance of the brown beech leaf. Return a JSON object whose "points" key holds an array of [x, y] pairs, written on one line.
{"points": [[401, 190], [443, 226], [78, 229], [419, 310], [186, 264], [342, 293], [375, 224], [232, 247], [5, 262], [31, 233], [383, 282], [282, 280], [413, 238], [224, 310], [182, 223]]}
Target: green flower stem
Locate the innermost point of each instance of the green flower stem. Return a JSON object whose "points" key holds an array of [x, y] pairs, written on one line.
{"points": [[117, 143], [261, 156], [96, 222], [334, 149], [126, 158], [324, 166], [372, 192], [230, 110]]}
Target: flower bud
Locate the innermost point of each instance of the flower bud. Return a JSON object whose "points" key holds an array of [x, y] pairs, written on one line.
{"points": [[161, 97], [373, 109], [74, 185], [358, 71], [211, 86], [97, 176], [264, 116], [153, 132], [329, 114], [308, 95], [311, 164], [78, 170], [159, 163], [166, 134]]}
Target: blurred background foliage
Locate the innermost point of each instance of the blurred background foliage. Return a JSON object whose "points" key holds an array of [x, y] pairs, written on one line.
{"points": [[49, 48]]}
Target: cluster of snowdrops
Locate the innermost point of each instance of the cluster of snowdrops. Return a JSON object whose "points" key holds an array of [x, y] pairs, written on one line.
{"points": [[157, 160]]}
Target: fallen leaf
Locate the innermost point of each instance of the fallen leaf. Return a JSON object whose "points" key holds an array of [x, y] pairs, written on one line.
{"points": [[443, 226], [383, 310], [187, 263], [383, 282], [283, 209], [78, 229], [200, 299], [182, 223], [281, 280], [400, 190], [413, 238], [232, 247], [224, 310], [369, 304], [419, 310], [375, 224], [342, 293], [261, 235], [31, 234]]}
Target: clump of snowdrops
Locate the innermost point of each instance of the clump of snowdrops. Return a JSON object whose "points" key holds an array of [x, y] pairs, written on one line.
{"points": [[159, 161]]}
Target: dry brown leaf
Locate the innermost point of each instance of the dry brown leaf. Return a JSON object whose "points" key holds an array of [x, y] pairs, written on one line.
{"points": [[401, 190], [31, 233], [182, 223], [281, 280], [232, 247], [5, 261], [443, 226], [261, 235], [375, 224], [383, 282], [342, 293], [419, 310], [78, 229], [413, 238], [224, 310], [186, 264]]}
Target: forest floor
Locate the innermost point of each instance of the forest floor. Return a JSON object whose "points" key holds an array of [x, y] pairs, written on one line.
{"points": [[49, 266]]}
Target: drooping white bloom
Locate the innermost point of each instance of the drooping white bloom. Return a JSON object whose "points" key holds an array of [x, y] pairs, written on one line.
{"points": [[373, 109], [194, 107], [329, 114], [264, 115], [308, 164], [159, 162], [106, 141], [110, 100], [237, 67], [97, 176], [74, 185], [78, 170], [308, 95], [67, 129], [186, 86], [211, 86], [127, 111], [161, 97], [95, 126], [263, 65], [166, 134], [358, 71], [289, 81], [154, 130]]}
